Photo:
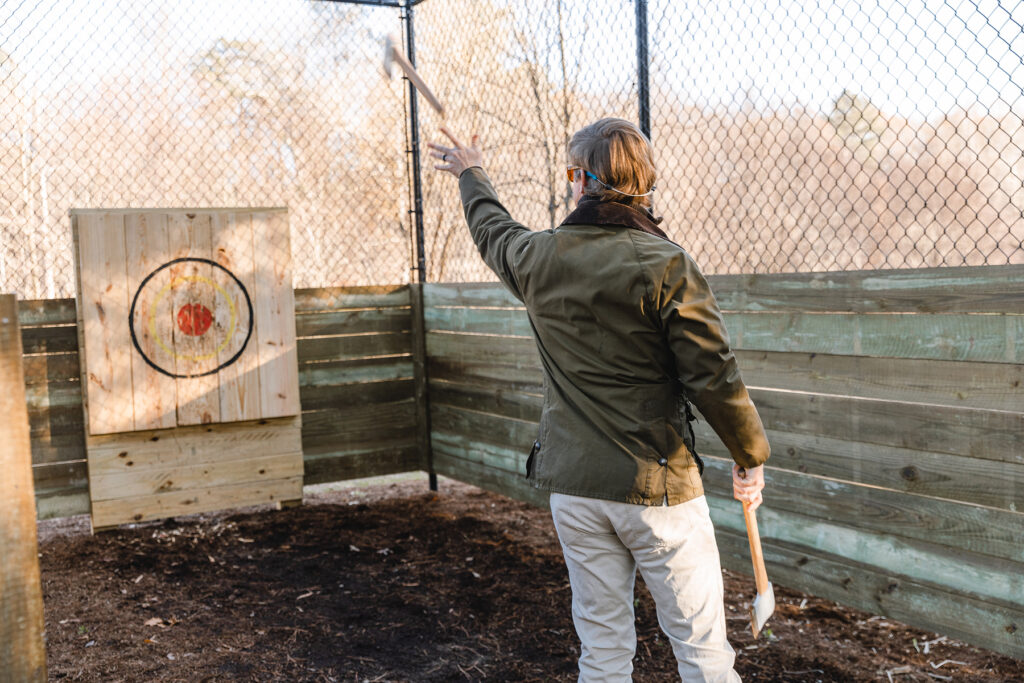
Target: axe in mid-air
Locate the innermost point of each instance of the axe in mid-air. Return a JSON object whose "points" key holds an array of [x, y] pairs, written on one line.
{"points": [[393, 55]]}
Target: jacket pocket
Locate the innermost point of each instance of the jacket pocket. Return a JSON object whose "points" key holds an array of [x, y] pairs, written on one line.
{"points": [[530, 459]]}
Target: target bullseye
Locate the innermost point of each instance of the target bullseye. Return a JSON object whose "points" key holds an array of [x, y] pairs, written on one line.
{"points": [[218, 306], [194, 319]]}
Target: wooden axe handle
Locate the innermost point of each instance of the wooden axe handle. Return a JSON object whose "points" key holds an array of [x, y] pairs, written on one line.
{"points": [[756, 555], [410, 71]]}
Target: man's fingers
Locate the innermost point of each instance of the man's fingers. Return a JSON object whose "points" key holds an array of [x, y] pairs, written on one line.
{"points": [[455, 141]]}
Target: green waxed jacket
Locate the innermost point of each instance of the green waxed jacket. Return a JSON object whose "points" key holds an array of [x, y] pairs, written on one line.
{"points": [[626, 326]]}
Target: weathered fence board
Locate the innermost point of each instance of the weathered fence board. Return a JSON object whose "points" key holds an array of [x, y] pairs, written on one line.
{"points": [[22, 650], [894, 405]]}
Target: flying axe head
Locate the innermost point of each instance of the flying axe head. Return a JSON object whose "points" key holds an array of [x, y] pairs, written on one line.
{"points": [[390, 45]]}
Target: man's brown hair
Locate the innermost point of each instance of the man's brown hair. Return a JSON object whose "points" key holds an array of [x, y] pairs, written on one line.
{"points": [[620, 155]]}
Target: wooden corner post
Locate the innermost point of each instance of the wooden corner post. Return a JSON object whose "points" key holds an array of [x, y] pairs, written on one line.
{"points": [[22, 652]]}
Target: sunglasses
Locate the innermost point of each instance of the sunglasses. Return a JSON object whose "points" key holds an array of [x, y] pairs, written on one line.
{"points": [[570, 172]]}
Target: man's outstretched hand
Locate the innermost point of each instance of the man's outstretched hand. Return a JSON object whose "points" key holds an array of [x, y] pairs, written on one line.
{"points": [[457, 159], [747, 484]]}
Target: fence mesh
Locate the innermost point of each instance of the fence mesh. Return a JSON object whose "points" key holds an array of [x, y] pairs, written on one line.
{"points": [[789, 136], [202, 104]]}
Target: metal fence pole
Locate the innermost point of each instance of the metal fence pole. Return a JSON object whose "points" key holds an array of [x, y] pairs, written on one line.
{"points": [[416, 293], [643, 67]]}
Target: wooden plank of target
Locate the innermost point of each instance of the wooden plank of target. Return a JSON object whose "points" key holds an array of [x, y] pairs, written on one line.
{"points": [[106, 367], [22, 652], [154, 392], [234, 317], [195, 348], [274, 302], [106, 513]]}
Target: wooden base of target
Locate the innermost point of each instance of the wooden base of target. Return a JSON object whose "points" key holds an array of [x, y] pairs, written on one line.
{"points": [[141, 476]]}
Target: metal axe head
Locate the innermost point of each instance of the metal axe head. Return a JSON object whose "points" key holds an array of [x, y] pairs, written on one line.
{"points": [[390, 45], [763, 607]]}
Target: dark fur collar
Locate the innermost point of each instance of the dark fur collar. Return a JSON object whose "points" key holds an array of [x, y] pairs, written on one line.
{"points": [[596, 212]]}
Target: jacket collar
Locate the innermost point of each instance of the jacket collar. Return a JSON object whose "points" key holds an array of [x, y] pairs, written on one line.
{"points": [[597, 212]]}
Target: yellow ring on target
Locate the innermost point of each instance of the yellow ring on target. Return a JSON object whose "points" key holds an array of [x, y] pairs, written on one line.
{"points": [[163, 292]]}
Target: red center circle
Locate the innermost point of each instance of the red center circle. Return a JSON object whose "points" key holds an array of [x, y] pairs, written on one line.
{"points": [[194, 319]]}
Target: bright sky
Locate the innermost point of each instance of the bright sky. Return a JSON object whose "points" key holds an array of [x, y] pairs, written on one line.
{"points": [[912, 57]]}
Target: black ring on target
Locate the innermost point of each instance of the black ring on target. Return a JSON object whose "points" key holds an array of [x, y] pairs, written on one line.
{"points": [[135, 299]]}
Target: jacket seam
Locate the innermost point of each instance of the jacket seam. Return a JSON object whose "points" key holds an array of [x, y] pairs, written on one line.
{"points": [[648, 285]]}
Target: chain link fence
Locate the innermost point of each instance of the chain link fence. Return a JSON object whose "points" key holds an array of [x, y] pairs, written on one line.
{"points": [[789, 136], [233, 103]]}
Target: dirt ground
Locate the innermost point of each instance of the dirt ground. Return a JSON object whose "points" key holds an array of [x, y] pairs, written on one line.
{"points": [[386, 581]]}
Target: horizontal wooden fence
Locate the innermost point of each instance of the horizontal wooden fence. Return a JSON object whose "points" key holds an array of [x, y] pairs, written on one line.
{"points": [[894, 402], [895, 409], [355, 380]]}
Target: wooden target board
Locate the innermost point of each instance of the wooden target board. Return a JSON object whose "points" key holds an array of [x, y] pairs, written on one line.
{"points": [[186, 322]]}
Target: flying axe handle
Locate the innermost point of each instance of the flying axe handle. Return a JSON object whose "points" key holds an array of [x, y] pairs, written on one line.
{"points": [[410, 72], [756, 555]]}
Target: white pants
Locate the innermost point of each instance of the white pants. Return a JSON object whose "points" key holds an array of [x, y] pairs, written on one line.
{"points": [[674, 547]]}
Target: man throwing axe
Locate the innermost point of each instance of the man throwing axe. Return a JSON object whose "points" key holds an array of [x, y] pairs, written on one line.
{"points": [[629, 334]]}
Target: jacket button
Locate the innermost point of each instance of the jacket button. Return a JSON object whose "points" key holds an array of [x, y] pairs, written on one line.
{"points": [[663, 462]]}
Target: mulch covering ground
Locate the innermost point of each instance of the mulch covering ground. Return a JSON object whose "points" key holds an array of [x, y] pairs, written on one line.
{"points": [[391, 582]]}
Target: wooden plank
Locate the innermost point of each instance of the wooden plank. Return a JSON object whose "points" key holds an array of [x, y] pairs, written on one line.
{"points": [[500, 459], [106, 370], [986, 577], [107, 513], [985, 434], [195, 355], [52, 367], [49, 339], [62, 503], [954, 336], [60, 475], [239, 355], [207, 471], [940, 475], [353, 321], [978, 289], [336, 298], [180, 446], [59, 394], [352, 371], [354, 346], [949, 336], [983, 289], [22, 650], [984, 623], [962, 337], [53, 449], [492, 399], [46, 312], [154, 393], [493, 321], [488, 478], [274, 302], [995, 386], [321, 469], [520, 352], [359, 394], [358, 427], [472, 294], [484, 427]]}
